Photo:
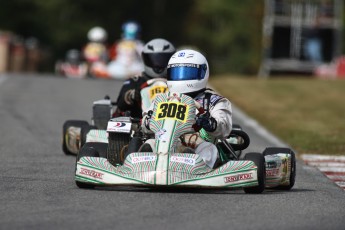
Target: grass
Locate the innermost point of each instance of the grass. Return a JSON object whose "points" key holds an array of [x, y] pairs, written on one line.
{"points": [[307, 113]]}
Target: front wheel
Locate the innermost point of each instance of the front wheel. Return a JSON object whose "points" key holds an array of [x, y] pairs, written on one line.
{"points": [[259, 161], [118, 144], [91, 149]]}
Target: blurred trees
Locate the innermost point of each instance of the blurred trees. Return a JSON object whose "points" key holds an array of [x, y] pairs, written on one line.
{"points": [[230, 33], [227, 31]]}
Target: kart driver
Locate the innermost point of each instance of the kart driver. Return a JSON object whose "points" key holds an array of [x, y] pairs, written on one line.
{"points": [[95, 50], [125, 53], [156, 54], [188, 73]]}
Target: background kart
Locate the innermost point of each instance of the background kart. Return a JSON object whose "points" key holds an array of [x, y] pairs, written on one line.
{"points": [[165, 167], [74, 131], [73, 66], [71, 70]]}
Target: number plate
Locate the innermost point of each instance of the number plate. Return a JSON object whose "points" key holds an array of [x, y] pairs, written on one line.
{"points": [[172, 110], [157, 90]]}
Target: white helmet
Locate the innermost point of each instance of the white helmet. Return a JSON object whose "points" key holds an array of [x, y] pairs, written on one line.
{"points": [[187, 72], [156, 55], [97, 34]]}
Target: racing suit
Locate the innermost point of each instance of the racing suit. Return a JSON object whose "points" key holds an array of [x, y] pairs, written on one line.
{"points": [[216, 121], [129, 98]]}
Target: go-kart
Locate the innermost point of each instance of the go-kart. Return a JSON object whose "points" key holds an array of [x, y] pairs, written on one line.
{"points": [[76, 133], [125, 64], [73, 66], [174, 115]]}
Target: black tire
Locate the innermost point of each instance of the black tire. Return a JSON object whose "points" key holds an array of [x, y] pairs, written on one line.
{"points": [[259, 161], [244, 136], [83, 133], [274, 150], [133, 146], [66, 125], [91, 149], [116, 147]]}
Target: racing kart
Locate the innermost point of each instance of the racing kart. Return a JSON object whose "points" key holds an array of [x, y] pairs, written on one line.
{"points": [[73, 66], [76, 133], [174, 115]]}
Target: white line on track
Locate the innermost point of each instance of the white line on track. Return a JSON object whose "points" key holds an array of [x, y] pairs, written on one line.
{"points": [[337, 178], [318, 158], [327, 164], [341, 184], [332, 169]]}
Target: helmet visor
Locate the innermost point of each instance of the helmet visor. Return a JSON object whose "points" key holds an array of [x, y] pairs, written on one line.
{"points": [[156, 60], [181, 72]]}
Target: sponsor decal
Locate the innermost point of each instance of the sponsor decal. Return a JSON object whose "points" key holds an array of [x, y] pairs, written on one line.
{"points": [[119, 124], [184, 65], [143, 159], [190, 85], [184, 160], [271, 164], [214, 99], [272, 172], [91, 173], [199, 100], [181, 54], [244, 176], [120, 127], [161, 135]]}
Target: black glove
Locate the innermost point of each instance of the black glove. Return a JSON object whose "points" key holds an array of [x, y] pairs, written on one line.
{"points": [[206, 122], [147, 119]]}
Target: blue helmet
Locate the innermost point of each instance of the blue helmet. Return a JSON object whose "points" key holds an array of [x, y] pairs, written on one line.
{"points": [[130, 30]]}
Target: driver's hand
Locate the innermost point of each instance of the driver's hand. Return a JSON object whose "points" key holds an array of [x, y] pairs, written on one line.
{"points": [[207, 122], [146, 120]]}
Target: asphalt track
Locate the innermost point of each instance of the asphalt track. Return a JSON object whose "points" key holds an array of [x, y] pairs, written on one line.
{"points": [[37, 189]]}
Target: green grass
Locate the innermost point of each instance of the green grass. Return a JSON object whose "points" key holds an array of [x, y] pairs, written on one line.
{"points": [[307, 113]]}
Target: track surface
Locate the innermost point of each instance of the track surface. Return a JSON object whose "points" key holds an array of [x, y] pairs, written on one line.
{"points": [[37, 189]]}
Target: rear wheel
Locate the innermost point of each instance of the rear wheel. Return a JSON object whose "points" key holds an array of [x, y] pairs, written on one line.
{"points": [[118, 144], [274, 150], [91, 149], [259, 161], [65, 136]]}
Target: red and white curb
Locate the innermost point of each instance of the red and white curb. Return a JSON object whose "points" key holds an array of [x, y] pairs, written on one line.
{"points": [[332, 166]]}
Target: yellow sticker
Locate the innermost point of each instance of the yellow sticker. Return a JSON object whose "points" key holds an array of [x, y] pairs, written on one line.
{"points": [[157, 90], [172, 110]]}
